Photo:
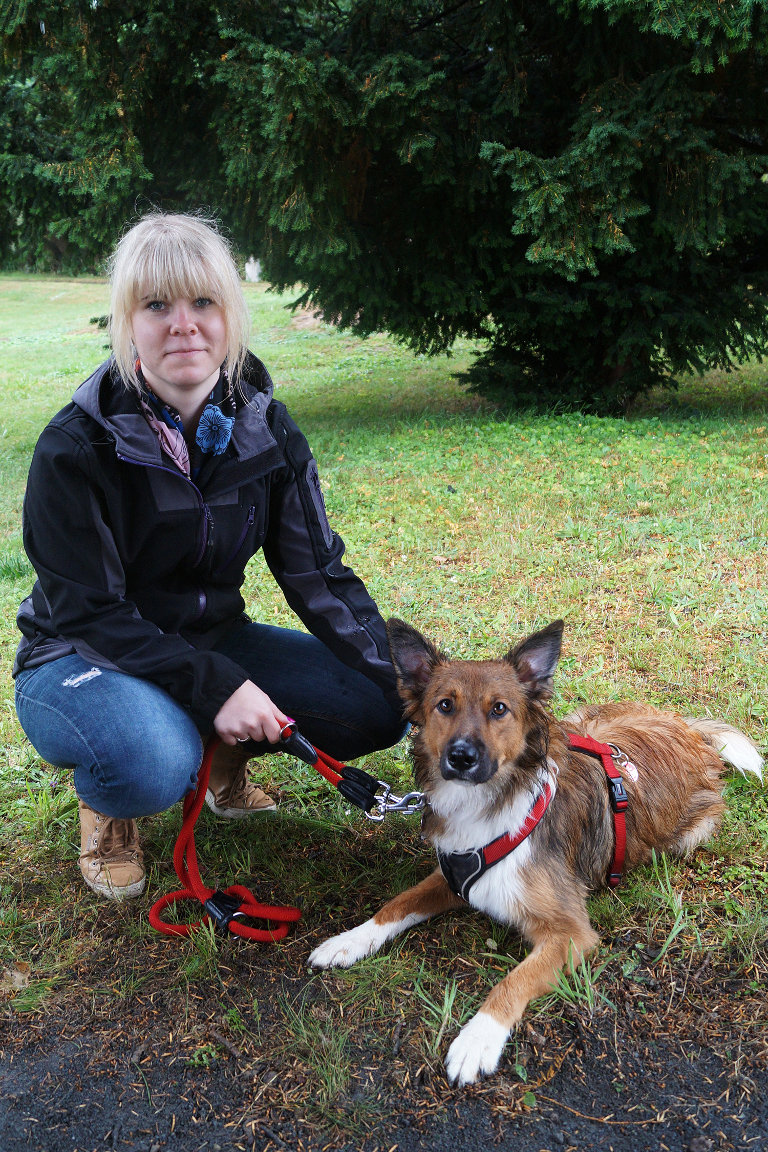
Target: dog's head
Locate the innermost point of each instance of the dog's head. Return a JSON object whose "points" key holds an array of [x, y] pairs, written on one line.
{"points": [[476, 719]]}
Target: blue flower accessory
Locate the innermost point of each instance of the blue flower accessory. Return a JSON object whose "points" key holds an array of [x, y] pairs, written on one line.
{"points": [[214, 430]]}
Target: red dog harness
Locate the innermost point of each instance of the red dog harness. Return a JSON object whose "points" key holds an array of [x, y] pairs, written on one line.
{"points": [[618, 797], [462, 870]]}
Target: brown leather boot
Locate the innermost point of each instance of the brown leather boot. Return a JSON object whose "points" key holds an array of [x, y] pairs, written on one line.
{"points": [[231, 792], [111, 861]]}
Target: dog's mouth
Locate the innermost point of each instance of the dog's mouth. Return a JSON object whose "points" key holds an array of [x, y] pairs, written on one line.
{"points": [[467, 759]]}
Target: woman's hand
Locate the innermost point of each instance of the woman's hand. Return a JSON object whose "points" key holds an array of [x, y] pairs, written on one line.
{"points": [[249, 714]]}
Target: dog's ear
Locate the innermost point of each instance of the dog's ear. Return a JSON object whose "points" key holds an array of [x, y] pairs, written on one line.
{"points": [[535, 659], [413, 656]]}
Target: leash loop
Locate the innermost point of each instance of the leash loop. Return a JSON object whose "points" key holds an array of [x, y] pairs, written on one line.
{"points": [[220, 907], [227, 908]]}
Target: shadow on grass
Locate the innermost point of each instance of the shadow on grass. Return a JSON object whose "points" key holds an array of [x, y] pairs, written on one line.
{"points": [[734, 395], [387, 400], [432, 396]]}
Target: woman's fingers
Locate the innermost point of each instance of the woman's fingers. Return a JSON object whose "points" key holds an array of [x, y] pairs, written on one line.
{"points": [[249, 714]]}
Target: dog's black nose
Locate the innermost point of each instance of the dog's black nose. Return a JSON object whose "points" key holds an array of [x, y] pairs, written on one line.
{"points": [[466, 758], [460, 758]]}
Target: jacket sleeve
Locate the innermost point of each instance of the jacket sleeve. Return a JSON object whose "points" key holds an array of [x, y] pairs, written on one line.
{"points": [[305, 556], [72, 549]]}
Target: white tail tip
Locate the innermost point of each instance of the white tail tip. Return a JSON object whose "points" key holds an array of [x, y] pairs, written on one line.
{"points": [[731, 745]]}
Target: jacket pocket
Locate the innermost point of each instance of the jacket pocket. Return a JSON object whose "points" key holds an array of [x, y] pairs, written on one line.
{"points": [[241, 540]]}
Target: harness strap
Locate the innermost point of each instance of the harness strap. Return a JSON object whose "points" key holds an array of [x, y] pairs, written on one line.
{"points": [[462, 870], [617, 795]]}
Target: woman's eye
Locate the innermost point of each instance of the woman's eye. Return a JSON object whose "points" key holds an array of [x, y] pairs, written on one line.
{"points": [[203, 302], [155, 306], [499, 709], [445, 706]]}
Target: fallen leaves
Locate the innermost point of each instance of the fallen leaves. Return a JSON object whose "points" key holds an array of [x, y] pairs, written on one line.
{"points": [[16, 977]]}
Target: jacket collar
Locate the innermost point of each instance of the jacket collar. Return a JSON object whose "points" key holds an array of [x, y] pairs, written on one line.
{"points": [[105, 398]]}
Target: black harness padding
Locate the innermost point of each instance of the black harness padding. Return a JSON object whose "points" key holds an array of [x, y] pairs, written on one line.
{"points": [[461, 870]]}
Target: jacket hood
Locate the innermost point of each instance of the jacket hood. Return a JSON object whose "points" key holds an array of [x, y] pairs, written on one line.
{"points": [[105, 398]]}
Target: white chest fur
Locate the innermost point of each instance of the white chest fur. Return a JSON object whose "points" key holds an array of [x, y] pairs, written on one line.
{"points": [[500, 891]]}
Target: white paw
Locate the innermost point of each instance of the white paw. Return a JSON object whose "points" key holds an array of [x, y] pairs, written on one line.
{"points": [[476, 1051], [345, 949]]}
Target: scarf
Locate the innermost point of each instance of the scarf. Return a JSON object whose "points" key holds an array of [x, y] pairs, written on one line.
{"points": [[214, 430]]}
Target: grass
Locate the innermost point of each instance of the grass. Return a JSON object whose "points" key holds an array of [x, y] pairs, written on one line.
{"points": [[647, 535], [577, 985], [439, 1014]]}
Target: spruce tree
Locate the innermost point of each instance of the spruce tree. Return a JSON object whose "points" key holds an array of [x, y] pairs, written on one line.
{"points": [[579, 185]]}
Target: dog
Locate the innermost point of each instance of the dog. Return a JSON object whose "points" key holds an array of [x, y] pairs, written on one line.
{"points": [[525, 824]]}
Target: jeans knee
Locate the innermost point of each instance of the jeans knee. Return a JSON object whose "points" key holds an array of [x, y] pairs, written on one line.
{"points": [[150, 779], [386, 729]]}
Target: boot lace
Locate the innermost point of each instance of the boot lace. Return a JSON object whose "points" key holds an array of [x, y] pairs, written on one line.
{"points": [[118, 841], [243, 787]]}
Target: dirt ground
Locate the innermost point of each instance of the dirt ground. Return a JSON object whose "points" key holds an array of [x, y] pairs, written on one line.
{"points": [[676, 1062]]}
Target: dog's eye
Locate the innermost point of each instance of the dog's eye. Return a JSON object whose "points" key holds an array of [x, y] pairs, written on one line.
{"points": [[499, 708], [445, 706]]}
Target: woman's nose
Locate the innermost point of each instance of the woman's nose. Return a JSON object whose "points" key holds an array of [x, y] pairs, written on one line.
{"points": [[182, 317]]}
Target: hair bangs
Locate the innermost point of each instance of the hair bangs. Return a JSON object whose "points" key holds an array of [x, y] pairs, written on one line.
{"points": [[165, 270]]}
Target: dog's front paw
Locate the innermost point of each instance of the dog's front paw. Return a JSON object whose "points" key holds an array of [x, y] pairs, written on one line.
{"points": [[348, 947], [476, 1050]]}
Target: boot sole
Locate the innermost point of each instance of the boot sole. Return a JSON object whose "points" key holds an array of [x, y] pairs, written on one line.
{"points": [[116, 894], [236, 813]]}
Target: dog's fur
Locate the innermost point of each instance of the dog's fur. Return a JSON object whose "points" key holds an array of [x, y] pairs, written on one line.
{"points": [[485, 743]]}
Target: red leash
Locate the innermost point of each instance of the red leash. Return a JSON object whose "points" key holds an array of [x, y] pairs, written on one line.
{"points": [[221, 907], [224, 907]]}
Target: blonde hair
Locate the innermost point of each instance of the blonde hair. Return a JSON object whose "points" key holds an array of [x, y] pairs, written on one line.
{"points": [[171, 256]]}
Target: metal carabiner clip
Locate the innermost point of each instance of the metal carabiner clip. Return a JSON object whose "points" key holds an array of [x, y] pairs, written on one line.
{"points": [[386, 802], [623, 762]]}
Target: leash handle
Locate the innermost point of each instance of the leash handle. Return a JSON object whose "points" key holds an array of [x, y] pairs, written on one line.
{"points": [[293, 742], [354, 784]]}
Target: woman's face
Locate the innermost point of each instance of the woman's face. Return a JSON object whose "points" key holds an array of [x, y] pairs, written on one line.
{"points": [[181, 343]]}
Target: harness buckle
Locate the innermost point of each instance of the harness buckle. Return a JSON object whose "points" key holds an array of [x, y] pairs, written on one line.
{"points": [[222, 909], [618, 794]]}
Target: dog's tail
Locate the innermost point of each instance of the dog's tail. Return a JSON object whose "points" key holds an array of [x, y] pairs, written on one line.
{"points": [[731, 745]]}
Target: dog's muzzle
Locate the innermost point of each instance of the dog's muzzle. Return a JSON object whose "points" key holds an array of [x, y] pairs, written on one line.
{"points": [[465, 758]]}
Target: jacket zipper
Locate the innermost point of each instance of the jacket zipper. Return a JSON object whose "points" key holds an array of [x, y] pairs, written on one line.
{"points": [[205, 537], [240, 542]]}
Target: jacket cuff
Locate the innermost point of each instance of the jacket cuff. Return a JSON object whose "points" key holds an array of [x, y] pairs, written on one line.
{"points": [[217, 690]]}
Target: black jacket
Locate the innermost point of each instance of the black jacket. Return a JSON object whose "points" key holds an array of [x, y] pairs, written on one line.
{"points": [[139, 569]]}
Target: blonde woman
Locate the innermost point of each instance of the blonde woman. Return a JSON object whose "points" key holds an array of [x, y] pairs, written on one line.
{"points": [[147, 496]]}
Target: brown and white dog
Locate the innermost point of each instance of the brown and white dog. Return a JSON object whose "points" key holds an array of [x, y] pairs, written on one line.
{"points": [[488, 753]]}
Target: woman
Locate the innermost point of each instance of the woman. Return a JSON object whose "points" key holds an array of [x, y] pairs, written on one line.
{"points": [[147, 496]]}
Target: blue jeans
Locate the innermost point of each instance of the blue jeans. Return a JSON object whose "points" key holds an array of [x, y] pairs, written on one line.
{"points": [[135, 750]]}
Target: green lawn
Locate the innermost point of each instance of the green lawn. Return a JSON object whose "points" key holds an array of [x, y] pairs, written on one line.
{"points": [[648, 535]]}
